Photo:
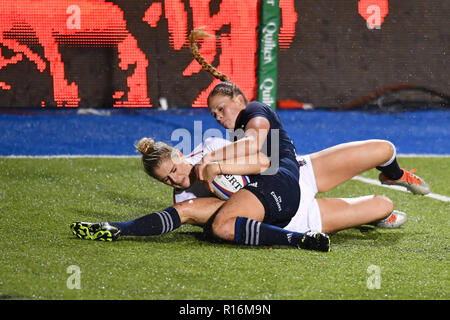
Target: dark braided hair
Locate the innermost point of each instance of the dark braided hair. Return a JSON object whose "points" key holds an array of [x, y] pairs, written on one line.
{"points": [[225, 88]]}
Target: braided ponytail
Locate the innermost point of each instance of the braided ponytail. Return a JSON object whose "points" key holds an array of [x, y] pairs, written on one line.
{"points": [[197, 34], [225, 87]]}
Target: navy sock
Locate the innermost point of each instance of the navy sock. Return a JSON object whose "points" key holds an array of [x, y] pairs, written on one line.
{"points": [[392, 171], [251, 232], [152, 224]]}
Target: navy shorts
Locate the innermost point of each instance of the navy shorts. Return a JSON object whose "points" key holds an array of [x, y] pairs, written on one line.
{"points": [[279, 193]]}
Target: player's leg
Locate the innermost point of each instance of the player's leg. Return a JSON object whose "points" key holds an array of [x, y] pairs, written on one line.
{"points": [[337, 164], [195, 211], [338, 214], [242, 204], [340, 163], [239, 220]]}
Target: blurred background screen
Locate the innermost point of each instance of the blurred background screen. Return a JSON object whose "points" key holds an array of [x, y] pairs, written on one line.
{"points": [[129, 53]]}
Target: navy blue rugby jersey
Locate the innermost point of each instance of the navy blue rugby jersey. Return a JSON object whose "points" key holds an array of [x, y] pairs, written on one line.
{"points": [[277, 151]]}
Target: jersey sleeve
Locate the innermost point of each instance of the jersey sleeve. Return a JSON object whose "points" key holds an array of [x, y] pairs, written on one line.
{"points": [[182, 195], [256, 109]]}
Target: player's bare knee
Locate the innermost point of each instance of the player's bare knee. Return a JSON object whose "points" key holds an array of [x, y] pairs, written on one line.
{"points": [[223, 228], [387, 149], [183, 210], [386, 205], [180, 207], [383, 148]]}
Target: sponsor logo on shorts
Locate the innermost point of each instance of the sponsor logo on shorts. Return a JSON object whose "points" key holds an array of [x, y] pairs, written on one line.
{"points": [[277, 200]]}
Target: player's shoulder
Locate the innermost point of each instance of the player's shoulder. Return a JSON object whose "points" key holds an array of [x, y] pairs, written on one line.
{"points": [[255, 106], [258, 109]]}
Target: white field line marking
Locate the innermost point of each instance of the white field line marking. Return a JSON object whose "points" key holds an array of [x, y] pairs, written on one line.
{"points": [[378, 183], [358, 178], [422, 155]]}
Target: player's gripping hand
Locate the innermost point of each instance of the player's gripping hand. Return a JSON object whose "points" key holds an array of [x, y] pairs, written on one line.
{"points": [[206, 171]]}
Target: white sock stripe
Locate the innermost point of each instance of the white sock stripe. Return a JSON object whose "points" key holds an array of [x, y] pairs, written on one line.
{"points": [[163, 222], [166, 221], [169, 220], [247, 231], [252, 232], [255, 238], [258, 226]]}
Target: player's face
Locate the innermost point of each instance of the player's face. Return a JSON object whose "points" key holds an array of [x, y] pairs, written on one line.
{"points": [[174, 172], [226, 109]]}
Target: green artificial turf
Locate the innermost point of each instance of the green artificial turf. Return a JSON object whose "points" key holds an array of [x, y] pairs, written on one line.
{"points": [[41, 197]]}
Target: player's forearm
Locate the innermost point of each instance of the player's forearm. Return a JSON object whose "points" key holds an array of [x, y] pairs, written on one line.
{"points": [[252, 164], [240, 149]]}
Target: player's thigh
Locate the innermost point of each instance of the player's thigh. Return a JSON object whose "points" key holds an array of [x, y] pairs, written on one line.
{"points": [[242, 204], [337, 164]]}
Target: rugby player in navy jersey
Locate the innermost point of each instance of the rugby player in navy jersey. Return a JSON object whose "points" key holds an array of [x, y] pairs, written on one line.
{"points": [[257, 214]]}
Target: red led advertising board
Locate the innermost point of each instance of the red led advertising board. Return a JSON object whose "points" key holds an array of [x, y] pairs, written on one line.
{"points": [[132, 53]]}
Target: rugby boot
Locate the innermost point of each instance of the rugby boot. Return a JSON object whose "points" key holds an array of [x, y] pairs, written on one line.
{"points": [[409, 180], [315, 241], [395, 220], [102, 231]]}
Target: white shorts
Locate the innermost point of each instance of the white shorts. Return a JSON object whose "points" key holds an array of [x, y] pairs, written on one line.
{"points": [[308, 214]]}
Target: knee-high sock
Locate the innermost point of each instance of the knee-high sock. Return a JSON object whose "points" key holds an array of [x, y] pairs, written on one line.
{"points": [[391, 169], [152, 224], [252, 232]]}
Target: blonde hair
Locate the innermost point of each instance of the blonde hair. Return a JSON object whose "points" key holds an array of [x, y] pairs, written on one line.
{"points": [[153, 153], [226, 87]]}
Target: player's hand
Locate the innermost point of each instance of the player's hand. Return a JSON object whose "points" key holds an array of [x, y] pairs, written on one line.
{"points": [[206, 172], [200, 168], [212, 169]]}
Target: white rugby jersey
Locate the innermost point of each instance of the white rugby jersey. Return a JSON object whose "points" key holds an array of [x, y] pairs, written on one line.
{"points": [[198, 189]]}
